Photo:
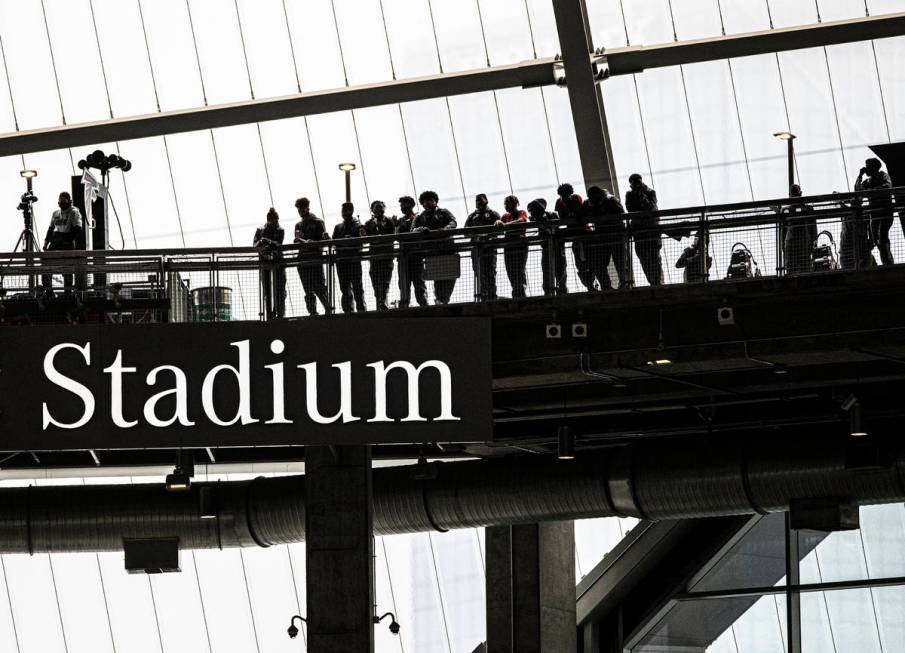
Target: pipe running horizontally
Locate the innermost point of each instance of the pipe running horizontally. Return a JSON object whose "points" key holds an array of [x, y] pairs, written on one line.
{"points": [[648, 481]]}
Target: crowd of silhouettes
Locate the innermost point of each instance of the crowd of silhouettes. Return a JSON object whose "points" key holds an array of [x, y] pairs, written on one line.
{"points": [[601, 256]]}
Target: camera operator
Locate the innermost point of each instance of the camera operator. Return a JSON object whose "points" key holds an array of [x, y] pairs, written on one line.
{"points": [[273, 275], [881, 211], [64, 233]]}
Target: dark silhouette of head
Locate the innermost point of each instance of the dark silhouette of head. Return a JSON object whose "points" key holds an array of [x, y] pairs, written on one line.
{"points": [[429, 199], [565, 191]]}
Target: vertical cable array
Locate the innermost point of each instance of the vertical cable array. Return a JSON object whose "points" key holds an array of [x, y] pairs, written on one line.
{"points": [[56, 597], [100, 575], [738, 112], [298, 83], [543, 100], [829, 74], [496, 101], [251, 91], [782, 84], [650, 168], [342, 60], [694, 142], [166, 147], [873, 47], [405, 138], [56, 78], [100, 54], [386, 562], [207, 631], [9, 600], [9, 87], [452, 127], [295, 592], [430, 541]]}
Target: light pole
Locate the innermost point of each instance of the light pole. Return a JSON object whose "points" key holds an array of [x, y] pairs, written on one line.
{"points": [[789, 138], [347, 168]]}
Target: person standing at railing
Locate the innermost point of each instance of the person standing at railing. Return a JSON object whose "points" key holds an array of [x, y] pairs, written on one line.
{"points": [[569, 209], [553, 249], [800, 233], [273, 275], [483, 254], [435, 219], [348, 260], [696, 260], [871, 177], [515, 248], [646, 230], [311, 231], [64, 233], [381, 255], [411, 261], [604, 239]]}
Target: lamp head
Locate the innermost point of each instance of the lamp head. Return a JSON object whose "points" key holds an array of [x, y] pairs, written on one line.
{"points": [[293, 631], [347, 167], [785, 136], [28, 174]]}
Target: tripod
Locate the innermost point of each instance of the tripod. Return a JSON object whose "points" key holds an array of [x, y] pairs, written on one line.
{"points": [[27, 242]]}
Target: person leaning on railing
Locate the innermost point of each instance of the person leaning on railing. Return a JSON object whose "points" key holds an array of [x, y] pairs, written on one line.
{"points": [[380, 263], [643, 199], [692, 260], [348, 260], [435, 219], [515, 248], [569, 209], [553, 249], [604, 239], [483, 255], [800, 233], [310, 231], [881, 211], [64, 233], [273, 275], [411, 260]]}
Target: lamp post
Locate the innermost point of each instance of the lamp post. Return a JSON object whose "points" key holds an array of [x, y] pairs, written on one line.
{"points": [[789, 138], [347, 168]]}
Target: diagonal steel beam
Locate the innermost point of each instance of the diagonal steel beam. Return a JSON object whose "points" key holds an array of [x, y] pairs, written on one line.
{"points": [[537, 72]]}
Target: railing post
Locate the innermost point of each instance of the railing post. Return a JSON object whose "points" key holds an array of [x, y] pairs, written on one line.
{"points": [[704, 248], [780, 230], [331, 284], [857, 233]]}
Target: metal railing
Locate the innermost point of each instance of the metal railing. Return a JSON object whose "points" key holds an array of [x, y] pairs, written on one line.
{"points": [[691, 245]]}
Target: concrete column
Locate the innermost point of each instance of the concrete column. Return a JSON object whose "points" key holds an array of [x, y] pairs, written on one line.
{"points": [[339, 549], [531, 588]]}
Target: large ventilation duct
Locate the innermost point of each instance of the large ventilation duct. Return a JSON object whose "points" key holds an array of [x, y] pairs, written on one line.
{"points": [[655, 481]]}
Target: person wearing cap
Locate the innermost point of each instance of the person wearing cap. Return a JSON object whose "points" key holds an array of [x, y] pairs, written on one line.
{"points": [[380, 267], [348, 260], [437, 220], [872, 178], [310, 231], [604, 240], [515, 249], [646, 229], [411, 260], [553, 249], [273, 274], [483, 256]]}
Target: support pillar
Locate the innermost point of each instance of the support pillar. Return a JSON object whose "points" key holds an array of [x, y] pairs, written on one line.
{"points": [[531, 588], [585, 99], [339, 549]]}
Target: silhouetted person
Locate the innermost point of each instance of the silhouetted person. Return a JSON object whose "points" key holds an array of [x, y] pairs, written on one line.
{"points": [[693, 258], [604, 240], [800, 234], [515, 246], [64, 233], [855, 243], [311, 231], [434, 219], [411, 260], [381, 260], [553, 249], [348, 260], [569, 209], [483, 254], [273, 274], [872, 177], [646, 230]]}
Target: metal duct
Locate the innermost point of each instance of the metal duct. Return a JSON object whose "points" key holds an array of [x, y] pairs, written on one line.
{"points": [[667, 480]]}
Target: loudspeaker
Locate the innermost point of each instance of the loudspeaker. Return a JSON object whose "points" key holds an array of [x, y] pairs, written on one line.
{"points": [[554, 331], [152, 556], [579, 330], [725, 316]]}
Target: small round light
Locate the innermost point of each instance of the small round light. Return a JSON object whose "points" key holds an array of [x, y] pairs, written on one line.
{"points": [[29, 174]]}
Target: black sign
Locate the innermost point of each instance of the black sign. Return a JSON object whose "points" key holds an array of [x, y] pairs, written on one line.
{"points": [[350, 381]]}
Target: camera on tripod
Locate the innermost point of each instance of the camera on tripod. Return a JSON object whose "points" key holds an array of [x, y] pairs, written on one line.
{"points": [[28, 198]]}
